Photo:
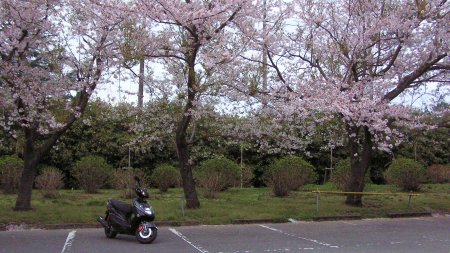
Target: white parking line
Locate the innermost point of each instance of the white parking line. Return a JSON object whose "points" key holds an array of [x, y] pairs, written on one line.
{"points": [[177, 233], [69, 240], [299, 237], [292, 220]]}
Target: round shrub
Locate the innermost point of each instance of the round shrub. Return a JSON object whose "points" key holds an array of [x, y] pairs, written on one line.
{"points": [[438, 173], [123, 179], [246, 175], [11, 168], [92, 173], [49, 181], [342, 173], [289, 173], [216, 175], [406, 173], [165, 176]]}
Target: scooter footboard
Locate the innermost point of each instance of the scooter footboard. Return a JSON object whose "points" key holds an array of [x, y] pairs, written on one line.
{"points": [[102, 221], [118, 221]]}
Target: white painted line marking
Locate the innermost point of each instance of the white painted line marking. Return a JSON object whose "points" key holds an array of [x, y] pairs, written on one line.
{"points": [[299, 237], [69, 241], [292, 220], [186, 240]]}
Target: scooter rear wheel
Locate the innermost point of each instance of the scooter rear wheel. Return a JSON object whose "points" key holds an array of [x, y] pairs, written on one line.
{"points": [[110, 233]]}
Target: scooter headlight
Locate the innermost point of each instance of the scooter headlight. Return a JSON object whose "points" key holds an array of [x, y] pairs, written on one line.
{"points": [[148, 211]]}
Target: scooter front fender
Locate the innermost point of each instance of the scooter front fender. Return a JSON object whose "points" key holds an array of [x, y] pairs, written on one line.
{"points": [[151, 225], [146, 224]]}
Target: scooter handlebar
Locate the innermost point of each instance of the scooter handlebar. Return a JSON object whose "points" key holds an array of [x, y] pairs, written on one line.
{"points": [[138, 181]]}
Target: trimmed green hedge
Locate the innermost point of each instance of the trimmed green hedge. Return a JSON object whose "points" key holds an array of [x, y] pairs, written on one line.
{"points": [[92, 173], [217, 174], [11, 168], [165, 176], [406, 173], [289, 173], [342, 173]]}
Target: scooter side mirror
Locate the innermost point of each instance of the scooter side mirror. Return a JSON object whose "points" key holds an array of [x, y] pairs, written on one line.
{"points": [[138, 181]]}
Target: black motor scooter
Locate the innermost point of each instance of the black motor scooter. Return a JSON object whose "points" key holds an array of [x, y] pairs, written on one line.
{"points": [[136, 219]]}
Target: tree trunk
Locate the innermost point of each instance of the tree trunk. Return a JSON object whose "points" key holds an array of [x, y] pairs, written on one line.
{"points": [[190, 193], [32, 155], [36, 145], [31, 159], [141, 83], [182, 145], [185, 168], [360, 152]]}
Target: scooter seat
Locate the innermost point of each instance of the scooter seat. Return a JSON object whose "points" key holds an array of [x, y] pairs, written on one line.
{"points": [[124, 208]]}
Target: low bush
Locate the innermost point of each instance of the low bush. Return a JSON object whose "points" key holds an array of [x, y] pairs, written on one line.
{"points": [[216, 175], [123, 179], [246, 175], [289, 173], [91, 173], [11, 168], [406, 173], [49, 181], [342, 173], [165, 176], [438, 173]]}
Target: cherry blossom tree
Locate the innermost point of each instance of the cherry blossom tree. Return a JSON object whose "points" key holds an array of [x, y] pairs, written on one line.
{"points": [[54, 54], [354, 60], [192, 40]]}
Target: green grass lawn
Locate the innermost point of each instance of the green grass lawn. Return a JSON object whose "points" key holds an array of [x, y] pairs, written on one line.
{"points": [[75, 206]]}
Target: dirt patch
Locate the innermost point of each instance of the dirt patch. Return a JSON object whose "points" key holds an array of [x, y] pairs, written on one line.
{"points": [[14, 227]]}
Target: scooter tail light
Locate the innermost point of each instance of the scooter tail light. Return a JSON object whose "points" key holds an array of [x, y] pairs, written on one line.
{"points": [[140, 228]]}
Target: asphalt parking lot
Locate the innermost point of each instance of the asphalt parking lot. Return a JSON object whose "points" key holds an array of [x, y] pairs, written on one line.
{"points": [[423, 234]]}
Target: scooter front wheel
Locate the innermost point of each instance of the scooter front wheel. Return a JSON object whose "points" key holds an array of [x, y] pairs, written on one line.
{"points": [[146, 236], [110, 233]]}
